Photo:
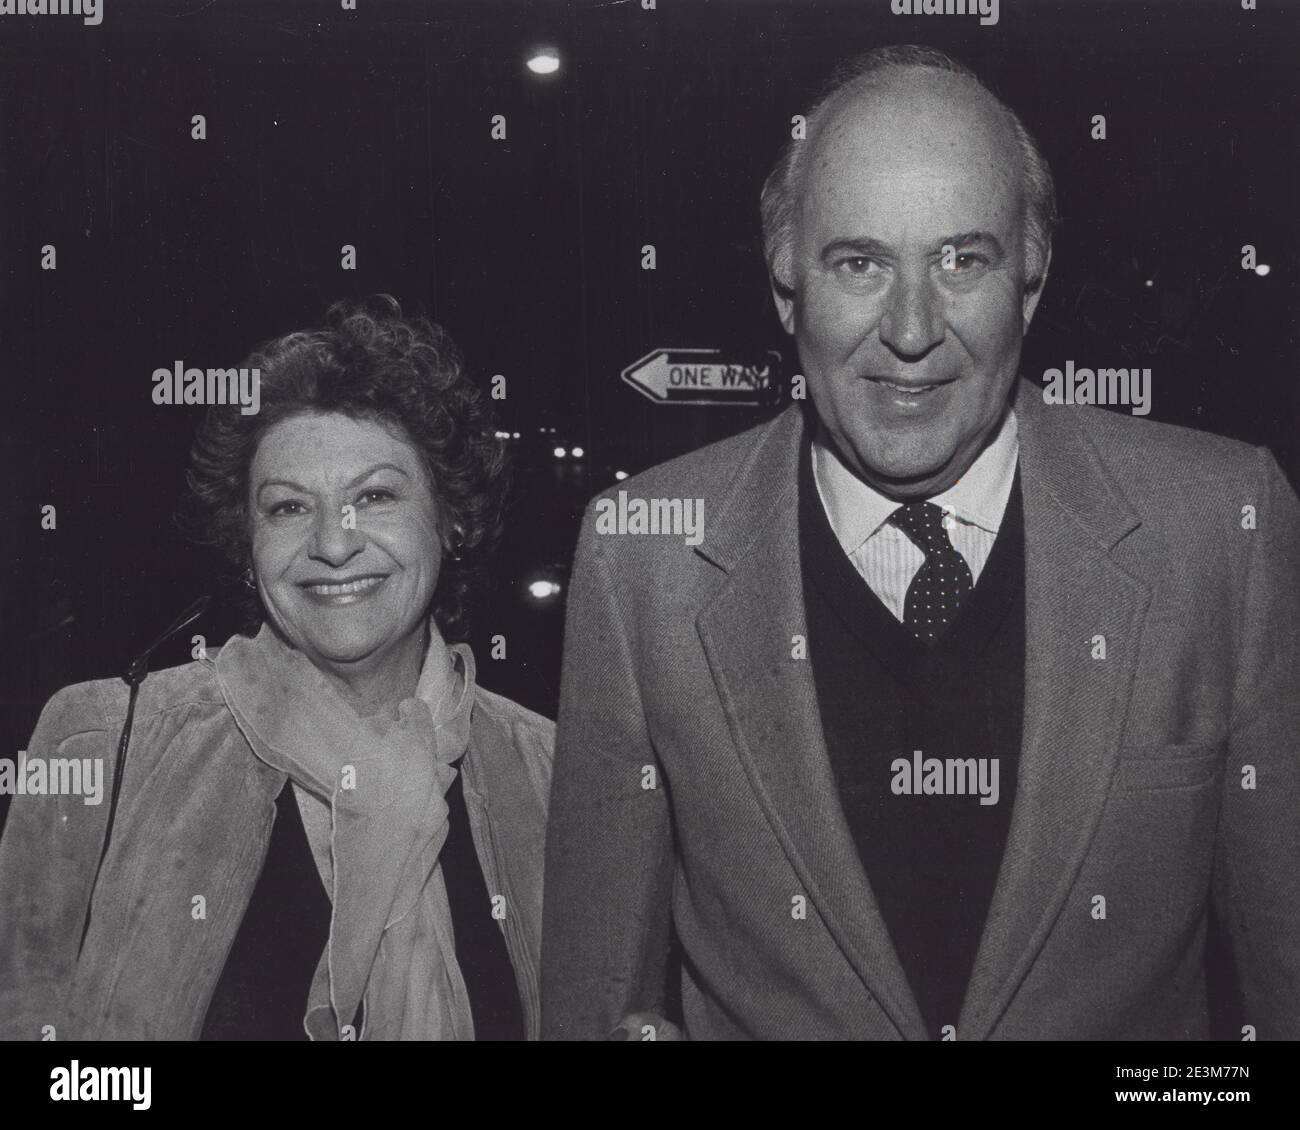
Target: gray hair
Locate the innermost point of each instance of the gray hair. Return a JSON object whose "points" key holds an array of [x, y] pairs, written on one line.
{"points": [[781, 189]]}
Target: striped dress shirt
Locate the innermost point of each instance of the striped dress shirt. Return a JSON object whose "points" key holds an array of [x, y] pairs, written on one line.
{"points": [[885, 557]]}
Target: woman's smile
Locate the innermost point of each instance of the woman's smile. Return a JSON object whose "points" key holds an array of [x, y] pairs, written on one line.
{"points": [[349, 591]]}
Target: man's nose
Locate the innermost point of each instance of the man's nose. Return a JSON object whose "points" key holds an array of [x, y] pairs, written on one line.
{"points": [[912, 321], [335, 539]]}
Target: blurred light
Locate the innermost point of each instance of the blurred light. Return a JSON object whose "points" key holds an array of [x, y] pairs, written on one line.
{"points": [[544, 61], [559, 453], [620, 475], [1150, 283], [543, 590], [578, 453], [1262, 270], [516, 435]]}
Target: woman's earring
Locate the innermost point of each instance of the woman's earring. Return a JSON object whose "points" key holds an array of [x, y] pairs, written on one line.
{"points": [[457, 547], [249, 580]]}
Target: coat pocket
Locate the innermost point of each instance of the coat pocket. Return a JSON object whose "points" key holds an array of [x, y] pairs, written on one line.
{"points": [[1162, 767]]}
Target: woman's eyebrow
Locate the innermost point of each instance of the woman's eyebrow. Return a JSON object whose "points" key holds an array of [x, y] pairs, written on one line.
{"points": [[378, 467], [359, 479], [282, 483]]}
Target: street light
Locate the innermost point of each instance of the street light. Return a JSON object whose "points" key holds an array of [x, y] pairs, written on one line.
{"points": [[544, 61]]}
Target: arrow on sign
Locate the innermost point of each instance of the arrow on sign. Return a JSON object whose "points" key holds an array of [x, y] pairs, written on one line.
{"points": [[704, 376]]}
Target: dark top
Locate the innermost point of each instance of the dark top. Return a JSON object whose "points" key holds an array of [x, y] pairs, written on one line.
{"points": [[480, 945], [932, 860], [263, 988], [262, 991]]}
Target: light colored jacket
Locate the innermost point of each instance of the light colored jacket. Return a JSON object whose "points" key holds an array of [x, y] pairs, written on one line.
{"points": [[196, 799], [693, 787]]}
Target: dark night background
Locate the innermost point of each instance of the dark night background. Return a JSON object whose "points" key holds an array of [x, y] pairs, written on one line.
{"points": [[372, 128]]}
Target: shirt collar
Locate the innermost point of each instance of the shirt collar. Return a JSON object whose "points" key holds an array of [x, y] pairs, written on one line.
{"points": [[978, 498]]}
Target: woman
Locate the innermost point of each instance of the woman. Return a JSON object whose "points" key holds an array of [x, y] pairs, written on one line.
{"points": [[326, 826]]}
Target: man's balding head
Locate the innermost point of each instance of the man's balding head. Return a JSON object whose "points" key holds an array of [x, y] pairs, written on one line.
{"points": [[870, 74]]}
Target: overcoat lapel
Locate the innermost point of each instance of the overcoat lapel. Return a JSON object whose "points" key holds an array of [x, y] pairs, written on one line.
{"points": [[1075, 702], [750, 632]]}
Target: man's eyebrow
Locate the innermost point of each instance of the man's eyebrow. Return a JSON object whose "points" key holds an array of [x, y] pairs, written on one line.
{"points": [[860, 246], [874, 248], [973, 239], [359, 479]]}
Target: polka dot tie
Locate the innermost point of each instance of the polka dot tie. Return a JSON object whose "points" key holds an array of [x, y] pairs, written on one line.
{"points": [[943, 582]]}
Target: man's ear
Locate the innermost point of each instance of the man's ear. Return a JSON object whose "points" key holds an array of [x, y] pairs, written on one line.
{"points": [[1029, 301], [783, 297]]}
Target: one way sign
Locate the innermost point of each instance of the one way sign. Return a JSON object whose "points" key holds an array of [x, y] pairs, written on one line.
{"points": [[704, 376]]}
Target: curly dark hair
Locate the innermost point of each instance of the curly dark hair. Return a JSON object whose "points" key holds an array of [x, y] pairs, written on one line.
{"points": [[366, 362]]}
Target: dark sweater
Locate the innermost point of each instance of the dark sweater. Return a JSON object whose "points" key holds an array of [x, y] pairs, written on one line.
{"points": [[263, 988], [932, 860]]}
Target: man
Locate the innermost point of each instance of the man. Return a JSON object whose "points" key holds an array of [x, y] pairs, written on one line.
{"points": [[967, 708]]}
